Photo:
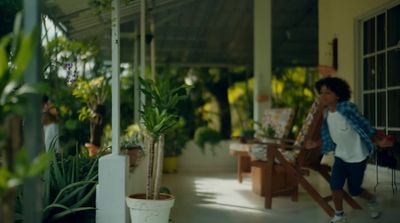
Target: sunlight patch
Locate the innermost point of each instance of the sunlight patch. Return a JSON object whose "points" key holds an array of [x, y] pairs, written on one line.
{"points": [[227, 194]]}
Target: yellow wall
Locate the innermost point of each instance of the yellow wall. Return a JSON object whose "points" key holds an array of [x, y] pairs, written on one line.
{"points": [[337, 19]]}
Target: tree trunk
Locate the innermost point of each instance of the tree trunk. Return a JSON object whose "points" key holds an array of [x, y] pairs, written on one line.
{"points": [[149, 148], [220, 91], [13, 128], [159, 166], [97, 125], [7, 206]]}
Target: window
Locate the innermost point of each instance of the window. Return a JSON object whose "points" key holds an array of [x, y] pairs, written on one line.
{"points": [[381, 69]]}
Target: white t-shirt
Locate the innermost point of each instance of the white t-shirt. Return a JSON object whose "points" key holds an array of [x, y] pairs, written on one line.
{"points": [[51, 137], [349, 146]]}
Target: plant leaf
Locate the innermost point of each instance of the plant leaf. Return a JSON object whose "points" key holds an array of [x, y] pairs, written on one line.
{"points": [[24, 54]]}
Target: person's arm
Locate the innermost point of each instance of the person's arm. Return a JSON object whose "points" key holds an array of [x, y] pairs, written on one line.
{"points": [[382, 140], [384, 143], [53, 110]]}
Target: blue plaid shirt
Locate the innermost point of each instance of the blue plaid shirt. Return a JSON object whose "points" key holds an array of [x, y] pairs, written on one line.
{"points": [[357, 121]]}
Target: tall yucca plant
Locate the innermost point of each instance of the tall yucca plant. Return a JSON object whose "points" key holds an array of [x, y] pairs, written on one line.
{"points": [[158, 115]]}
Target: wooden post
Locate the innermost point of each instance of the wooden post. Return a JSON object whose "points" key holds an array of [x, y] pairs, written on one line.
{"points": [[13, 128]]}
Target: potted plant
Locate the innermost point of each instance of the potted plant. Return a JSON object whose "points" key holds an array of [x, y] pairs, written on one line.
{"points": [[206, 135], [248, 131], [158, 116], [132, 145], [94, 93], [265, 131]]}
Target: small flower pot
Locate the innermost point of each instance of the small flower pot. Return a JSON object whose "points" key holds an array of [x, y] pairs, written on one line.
{"points": [[170, 164], [133, 155], [92, 149]]}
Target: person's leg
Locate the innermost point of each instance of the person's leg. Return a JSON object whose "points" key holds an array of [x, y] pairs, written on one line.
{"points": [[354, 182], [373, 205], [337, 197], [355, 179], [338, 178], [367, 195]]}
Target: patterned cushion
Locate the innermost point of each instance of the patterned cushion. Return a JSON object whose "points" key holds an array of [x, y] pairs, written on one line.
{"points": [[307, 123], [278, 117], [281, 120], [259, 152]]}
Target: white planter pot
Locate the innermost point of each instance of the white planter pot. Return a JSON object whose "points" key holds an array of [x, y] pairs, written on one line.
{"points": [[150, 211]]}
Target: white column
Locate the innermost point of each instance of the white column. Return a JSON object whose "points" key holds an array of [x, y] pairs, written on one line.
{"points": [[136, 93], [142, 44], [115, 86], [262, 57], [113, 168]]}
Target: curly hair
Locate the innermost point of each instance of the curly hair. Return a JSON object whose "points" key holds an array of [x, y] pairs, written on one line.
{"points": [[337, 85]]}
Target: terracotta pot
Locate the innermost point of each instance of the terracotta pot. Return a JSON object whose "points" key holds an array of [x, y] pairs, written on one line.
{"points": [[92, 149], [133, 155]]}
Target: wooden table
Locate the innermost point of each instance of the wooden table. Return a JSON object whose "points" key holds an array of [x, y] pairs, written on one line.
{"points": [[241, 151]]}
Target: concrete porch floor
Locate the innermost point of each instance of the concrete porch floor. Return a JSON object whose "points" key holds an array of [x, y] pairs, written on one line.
{"points": [[215, 197]]}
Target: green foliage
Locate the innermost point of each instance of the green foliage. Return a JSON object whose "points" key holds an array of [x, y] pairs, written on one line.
{"points": [[69, 188], [211, 97], [157, 122], [159, 114], [247, 133], [8, 11], [61, 51], [241, 101], [165, 190], [93, 92], [176, 138], [127, 99], [15, 53], [164, 94], [205, 135], [102, 6], [57, 53], [23, 170], [182, 132], [294, 87], [132, 139], [16, 50], [267, 131]]}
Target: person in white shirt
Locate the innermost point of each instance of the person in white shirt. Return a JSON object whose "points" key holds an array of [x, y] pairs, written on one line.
{"points": [[349, 134], [50, 125]]}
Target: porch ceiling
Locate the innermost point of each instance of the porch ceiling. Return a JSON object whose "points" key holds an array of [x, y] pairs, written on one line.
{"points": [[199, 32]]}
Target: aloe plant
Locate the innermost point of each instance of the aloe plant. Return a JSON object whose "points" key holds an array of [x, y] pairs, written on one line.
{"points": [[69, 187]]}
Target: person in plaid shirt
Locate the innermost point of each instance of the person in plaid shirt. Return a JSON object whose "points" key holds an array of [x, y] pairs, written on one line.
{"points": [[349, 134]]}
